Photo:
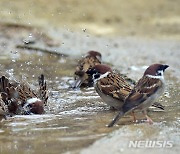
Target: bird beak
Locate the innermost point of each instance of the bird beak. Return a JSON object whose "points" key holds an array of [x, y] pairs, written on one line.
{"points": [[165, 66], [89, 72]]}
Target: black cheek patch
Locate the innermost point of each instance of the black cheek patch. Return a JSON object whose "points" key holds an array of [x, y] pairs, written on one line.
{"points": [[96, 76], [91, 71]]}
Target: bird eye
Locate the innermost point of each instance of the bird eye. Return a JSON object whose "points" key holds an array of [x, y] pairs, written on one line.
{"points": [[96, 76], [159, 73]]}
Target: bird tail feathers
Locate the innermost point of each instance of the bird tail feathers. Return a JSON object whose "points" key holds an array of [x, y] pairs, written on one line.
{"points": [[115, 120]]}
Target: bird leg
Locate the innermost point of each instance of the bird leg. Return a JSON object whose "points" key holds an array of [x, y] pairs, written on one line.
{"points": [[149, 120], [133, 115]]}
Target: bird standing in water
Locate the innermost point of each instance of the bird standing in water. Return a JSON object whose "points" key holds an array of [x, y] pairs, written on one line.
{"points": [[150, 87]]}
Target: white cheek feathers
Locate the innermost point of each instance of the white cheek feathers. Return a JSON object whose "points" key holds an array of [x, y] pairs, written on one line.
{"points": [[161, 77], [160, 73], [102, 76], [31, 101]]}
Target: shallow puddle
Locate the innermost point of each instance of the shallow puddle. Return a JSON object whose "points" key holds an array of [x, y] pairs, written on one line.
{"points": [[75, 119]]}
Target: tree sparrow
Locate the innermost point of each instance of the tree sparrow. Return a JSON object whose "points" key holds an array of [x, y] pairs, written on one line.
{"points": [[111, 87], [90, 60], [20, 99], [150, 87]]}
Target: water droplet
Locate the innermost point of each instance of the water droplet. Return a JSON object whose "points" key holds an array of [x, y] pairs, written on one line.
{"points": [[29, 63], [30, 35], [10, 72], [160, 133], [121, 149], [26, 41], [84, 29]]}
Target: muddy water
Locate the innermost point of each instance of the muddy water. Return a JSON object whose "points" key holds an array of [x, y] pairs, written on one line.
{"points": [[75, 121]]}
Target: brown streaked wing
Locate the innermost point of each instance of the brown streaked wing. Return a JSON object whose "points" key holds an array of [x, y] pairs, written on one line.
{"points": [[85, 64], [140, 92], [79, 67], [3, 106], [25, 92], [147, 83], [42, 92], [90, 62], [114, 86], [4, 83], [12, 93]]}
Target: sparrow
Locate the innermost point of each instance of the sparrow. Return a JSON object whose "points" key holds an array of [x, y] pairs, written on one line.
{"points": [[112, 87], [91, 59], [149, 88], [21, 99]]}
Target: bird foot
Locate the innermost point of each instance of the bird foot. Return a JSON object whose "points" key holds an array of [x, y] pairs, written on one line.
{"points": [[149, 120], [134, 117]]}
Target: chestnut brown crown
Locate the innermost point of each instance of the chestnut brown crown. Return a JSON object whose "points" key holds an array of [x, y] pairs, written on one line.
{"points": [[94, 54], [98, 70], [155, 69]]}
